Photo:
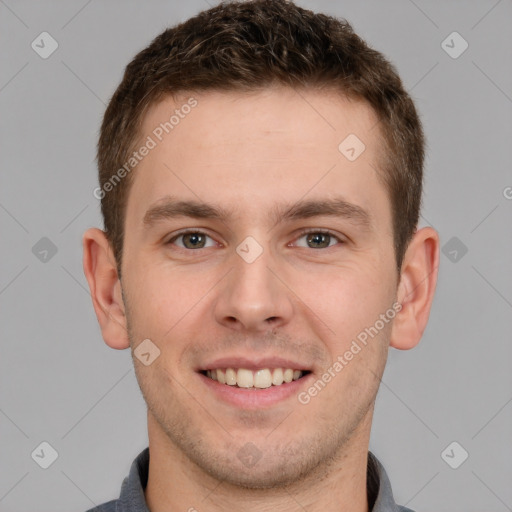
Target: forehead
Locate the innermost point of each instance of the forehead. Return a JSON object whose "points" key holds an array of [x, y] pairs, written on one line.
{"points": [[249, 150], [277, 115]]}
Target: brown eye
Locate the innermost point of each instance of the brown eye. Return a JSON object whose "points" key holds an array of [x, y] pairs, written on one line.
{"points": [[318, 240], [192, 240]]}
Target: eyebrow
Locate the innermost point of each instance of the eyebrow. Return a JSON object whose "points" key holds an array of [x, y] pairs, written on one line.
{"points": [[334, 207], [169, 208]]}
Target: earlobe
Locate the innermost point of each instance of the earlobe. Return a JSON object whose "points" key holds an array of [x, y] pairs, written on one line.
{"points": [[416, 289], [101, 273]]}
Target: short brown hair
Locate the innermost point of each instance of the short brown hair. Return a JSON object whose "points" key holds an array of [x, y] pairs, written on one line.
{"points": [[246, 46]]}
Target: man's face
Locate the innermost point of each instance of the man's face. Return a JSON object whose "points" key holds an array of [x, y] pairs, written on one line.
{"points": [[250, 290]]}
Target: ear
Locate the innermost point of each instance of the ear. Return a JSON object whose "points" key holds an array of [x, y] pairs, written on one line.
{"points": [[101, 273], [416, 288]]}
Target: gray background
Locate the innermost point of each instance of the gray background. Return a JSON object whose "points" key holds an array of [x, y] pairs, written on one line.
{"points": [[60, 383]]}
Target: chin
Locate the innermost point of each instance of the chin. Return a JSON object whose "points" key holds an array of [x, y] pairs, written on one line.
{"points": [[267, 473], [274, 466]]}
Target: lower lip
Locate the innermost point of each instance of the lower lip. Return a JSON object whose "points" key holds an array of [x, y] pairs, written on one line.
{"points": [[255, 398]]}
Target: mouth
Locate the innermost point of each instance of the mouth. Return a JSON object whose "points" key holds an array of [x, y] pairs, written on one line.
{"points": [[254, 381], [261, 378]]}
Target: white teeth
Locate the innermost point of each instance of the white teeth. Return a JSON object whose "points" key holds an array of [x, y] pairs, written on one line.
{"points": [[264, 378], [244, 378], [221, 376], [231, 377], [277, 377], [288, 375]]}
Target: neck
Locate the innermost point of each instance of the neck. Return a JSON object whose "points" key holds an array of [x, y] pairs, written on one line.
{"points": [[177, 483]]}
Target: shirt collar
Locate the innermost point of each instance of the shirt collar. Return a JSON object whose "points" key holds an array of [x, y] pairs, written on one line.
{"points": [[380, 495]]}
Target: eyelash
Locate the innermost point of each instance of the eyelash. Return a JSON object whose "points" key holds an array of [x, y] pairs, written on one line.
{"points": [[301, 234]]}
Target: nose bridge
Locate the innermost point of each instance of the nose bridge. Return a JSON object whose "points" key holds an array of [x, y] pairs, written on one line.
{"points": [[253, 281], [252, 297]]}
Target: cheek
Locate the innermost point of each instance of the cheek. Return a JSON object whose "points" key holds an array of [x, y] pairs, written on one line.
{"points": [[346, 299], [165, 300]]}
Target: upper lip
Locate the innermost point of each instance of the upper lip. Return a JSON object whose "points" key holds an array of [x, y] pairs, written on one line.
{"points": [[254, 363]]}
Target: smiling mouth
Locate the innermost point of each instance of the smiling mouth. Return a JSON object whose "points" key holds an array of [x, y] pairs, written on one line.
{"points": [[257, 379]]}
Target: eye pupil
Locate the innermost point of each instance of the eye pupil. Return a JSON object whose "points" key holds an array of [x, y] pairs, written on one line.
{"points": [[320, 240], [194, 239], [316, 240]]}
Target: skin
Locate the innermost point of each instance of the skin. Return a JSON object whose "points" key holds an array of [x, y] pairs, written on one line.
{"points": [[252, 153]]}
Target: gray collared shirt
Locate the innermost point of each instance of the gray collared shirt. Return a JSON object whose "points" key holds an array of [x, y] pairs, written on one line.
{"points": [[132, 497]]}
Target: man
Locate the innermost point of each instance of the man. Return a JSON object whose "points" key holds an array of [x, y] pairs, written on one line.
{"points": [[260, 175]]}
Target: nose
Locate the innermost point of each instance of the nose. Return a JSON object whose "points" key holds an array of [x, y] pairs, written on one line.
{"points": [[253, 296]]}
